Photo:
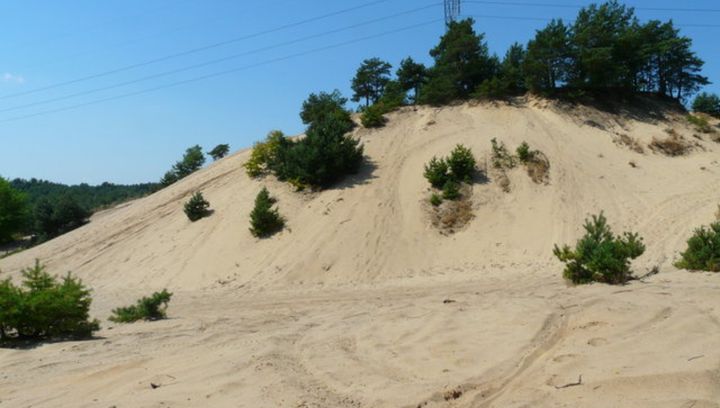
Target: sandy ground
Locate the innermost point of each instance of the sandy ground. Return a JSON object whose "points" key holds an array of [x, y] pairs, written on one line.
{"points": [[347, 307]]}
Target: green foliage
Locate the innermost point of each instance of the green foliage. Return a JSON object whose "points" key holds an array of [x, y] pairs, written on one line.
{"points": [[440, 89], [462, 57], [461, 163], [321, 107], [197, 207], [600, 256], [437, 172], [501, 158], [56, 218], [219, 151], [511, 70], [13, 211], [372, 116], [435, 199], [703, 250], [412, 76], [707, 103], [324, 156], [700, 123], [46, 199], [192, 160], [451, 190], [265, 220], [147, 308], [394, 97], [524, 153], [45, 308], [264, 154], [493, 88], [548, 57], [458, 167], [370, 80]]}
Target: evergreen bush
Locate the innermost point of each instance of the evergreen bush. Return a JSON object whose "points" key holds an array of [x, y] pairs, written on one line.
{"points": [[600, 256], [703, 250], [45, 307], [435, 199], [372, 116], [197, 207], [265, 220], [461, 163], [451, 190], [146, 308], [437, 172]]}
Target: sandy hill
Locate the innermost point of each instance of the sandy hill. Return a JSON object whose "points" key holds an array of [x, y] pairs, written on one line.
{"points": [[345, 307]]}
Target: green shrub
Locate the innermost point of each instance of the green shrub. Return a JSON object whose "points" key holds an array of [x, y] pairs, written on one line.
{"points": [[437, 172], [451, 190], [324, 106], [147, 308], [600, 256], [435, 199], [324, 156], [372, 116], [197, 207], [265, 220], [461, 163], [524, 153], [219, 151], [264, 154], [700, 123], [45, 308], [192, 160], [703, 250], [501, 158]]}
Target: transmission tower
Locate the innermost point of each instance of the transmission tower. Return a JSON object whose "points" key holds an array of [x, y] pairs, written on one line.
{"points": [[452, 10]]}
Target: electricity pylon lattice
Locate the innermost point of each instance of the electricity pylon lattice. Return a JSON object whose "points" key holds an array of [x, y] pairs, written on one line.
{"points": [[452, 10]]}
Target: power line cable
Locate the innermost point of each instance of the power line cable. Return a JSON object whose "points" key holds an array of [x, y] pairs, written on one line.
{"points": [[225, 72], [194, 50], [219, 60]]}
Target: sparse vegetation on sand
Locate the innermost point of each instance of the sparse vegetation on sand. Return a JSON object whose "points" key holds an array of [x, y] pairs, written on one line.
{"points": [[197, 207], [146, 308], [672, 145], [701, 123], [451, 178], [703, 250], [600, 256], [45, 307]]}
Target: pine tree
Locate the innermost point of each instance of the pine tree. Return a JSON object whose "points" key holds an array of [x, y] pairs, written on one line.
{"points": [[219, 151], [370, 80], [412, 76], [197, 207], [265, 220]]}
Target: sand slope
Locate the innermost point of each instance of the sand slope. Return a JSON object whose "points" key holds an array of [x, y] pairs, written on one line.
{"points": [[345, 307]]}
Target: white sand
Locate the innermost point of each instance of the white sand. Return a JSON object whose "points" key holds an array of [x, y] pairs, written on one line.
{"points": [[345, 307]]}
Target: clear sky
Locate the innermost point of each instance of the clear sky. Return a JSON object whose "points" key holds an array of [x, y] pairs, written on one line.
{"points": [[130, 138]]}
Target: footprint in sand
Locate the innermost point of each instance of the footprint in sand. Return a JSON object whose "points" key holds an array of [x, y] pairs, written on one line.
{"points": [[564, 357], [597, 342]]}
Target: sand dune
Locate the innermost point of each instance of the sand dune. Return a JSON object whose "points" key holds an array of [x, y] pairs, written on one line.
{"points": [[345, 308]]}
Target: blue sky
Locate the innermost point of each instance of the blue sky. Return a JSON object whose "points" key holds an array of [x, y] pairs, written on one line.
{"points": [[137, 138]]}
